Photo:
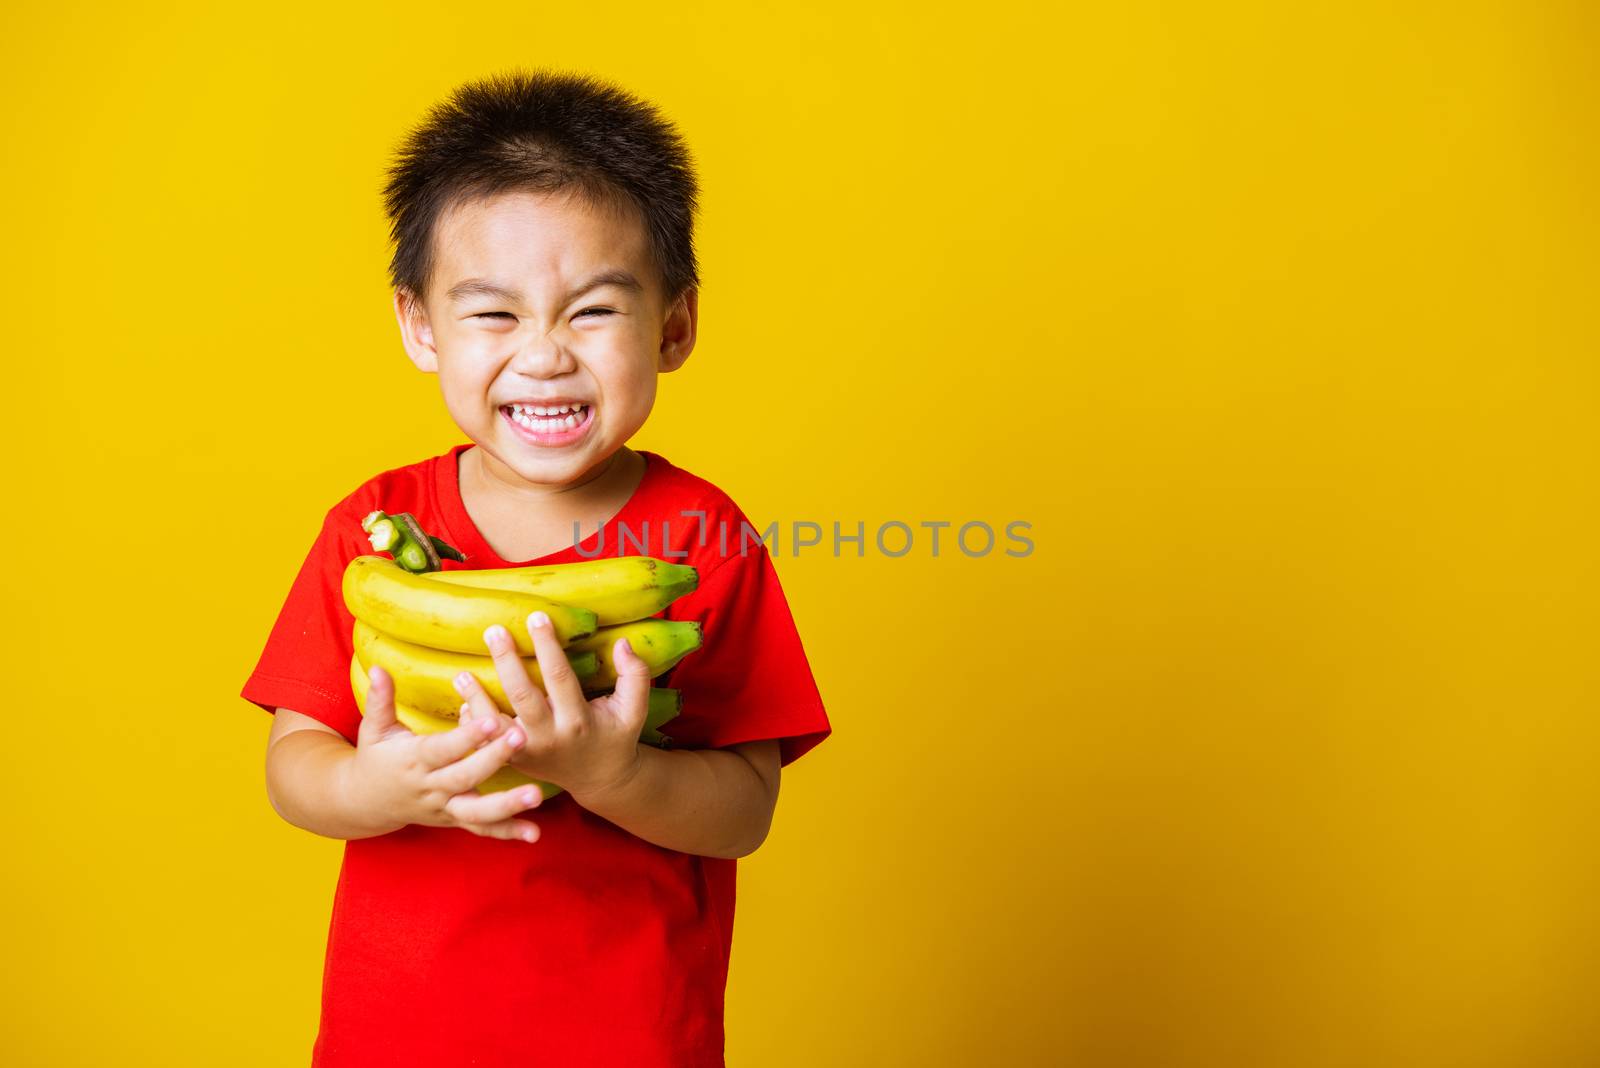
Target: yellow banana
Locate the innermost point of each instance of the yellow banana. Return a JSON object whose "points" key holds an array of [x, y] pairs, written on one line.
{"points": [[505, 778], [424, 678], [382, 594], [660, 643], [665, 704], [617, 589]]}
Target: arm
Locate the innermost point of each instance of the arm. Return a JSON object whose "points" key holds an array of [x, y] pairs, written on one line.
{"points": [[306, 765], [710, 802]]}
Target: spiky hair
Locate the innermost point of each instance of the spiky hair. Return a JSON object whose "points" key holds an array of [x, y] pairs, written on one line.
{"points": [[543, 131]]}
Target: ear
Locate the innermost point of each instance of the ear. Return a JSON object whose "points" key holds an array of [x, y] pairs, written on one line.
{"points": [[678, 332], [415, 332]]}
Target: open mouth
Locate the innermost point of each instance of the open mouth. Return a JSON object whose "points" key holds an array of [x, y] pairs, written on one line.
{"points": [[550, 424]]}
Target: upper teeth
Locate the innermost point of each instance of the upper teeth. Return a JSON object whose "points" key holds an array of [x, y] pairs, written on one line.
{"points": [[540, 409]]}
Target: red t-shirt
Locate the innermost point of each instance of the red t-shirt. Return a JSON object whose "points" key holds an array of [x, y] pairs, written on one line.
{"points": [[590, 946]]}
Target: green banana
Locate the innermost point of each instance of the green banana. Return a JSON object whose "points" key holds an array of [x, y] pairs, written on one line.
{"points": [[617, 589], [417, 609], [665, 703]]}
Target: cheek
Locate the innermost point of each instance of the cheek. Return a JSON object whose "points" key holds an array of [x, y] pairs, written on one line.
{"points": [[627, 379], [464, 385], [638, 390]]}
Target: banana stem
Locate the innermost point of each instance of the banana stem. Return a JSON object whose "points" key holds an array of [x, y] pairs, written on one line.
{"points": [[403, 538], [449, 552], [383, 536]]}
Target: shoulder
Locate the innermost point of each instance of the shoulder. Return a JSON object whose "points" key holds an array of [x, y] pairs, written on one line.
{"points": [[694, 518], [674, 487], [406, 488]]}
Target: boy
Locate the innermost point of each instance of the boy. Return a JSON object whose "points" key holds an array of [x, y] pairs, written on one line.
{"points": [[544, 269]]}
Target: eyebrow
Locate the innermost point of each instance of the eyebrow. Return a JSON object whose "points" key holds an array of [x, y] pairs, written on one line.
{"points": [[484, 287]]}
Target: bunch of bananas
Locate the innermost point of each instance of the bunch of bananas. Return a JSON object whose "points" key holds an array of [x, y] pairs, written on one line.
{"points": [[426, 627]]}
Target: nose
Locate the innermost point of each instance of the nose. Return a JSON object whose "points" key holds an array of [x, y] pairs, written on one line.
{"points": [[544, 356]]}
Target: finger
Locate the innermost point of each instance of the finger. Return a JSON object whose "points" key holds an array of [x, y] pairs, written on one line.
{"points": [[377, 716], [632, 692], [560, 681], [500, 720], [512, 830], [477, 766], [447, 747], [527, 700], [497, 721], [479, 704], [472, 807]]}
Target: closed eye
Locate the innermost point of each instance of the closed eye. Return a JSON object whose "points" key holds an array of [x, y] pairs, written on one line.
{"points": [[508, 315]]}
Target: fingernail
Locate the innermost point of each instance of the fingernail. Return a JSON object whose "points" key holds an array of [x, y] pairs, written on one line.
{"points": [[495, 635], [529, 796], [627, 645], [539, 619], [484, 725], [513, 737], [530, 836], [461, 684]]}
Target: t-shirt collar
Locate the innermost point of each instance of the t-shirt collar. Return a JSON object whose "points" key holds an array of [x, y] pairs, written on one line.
{"points": [[461, 532]]}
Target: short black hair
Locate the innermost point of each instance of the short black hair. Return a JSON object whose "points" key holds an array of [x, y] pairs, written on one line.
{"points": [[544, 131]]}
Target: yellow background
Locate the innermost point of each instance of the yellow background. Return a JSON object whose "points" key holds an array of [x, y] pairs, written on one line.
{"points": [[1278, 326]]}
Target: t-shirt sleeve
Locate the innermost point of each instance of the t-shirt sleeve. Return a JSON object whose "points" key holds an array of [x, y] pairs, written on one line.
{"points": [[306, 663], [750, 679]]}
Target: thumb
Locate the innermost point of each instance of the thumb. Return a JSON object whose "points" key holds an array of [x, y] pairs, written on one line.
{"points": [[633, 684], [377, 717]]}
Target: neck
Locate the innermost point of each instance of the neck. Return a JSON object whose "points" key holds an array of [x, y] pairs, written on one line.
{"points": [[601, 482]]}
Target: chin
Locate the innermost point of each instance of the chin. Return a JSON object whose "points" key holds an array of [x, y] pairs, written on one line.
{"points": [[556, 466]]}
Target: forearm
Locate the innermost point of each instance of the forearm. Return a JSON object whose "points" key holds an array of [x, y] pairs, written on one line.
{"points": [[709, 802], [307, 783]]}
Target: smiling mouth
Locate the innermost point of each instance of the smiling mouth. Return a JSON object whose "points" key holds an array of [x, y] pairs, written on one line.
{"points": [[550, 426], [547, 419]]}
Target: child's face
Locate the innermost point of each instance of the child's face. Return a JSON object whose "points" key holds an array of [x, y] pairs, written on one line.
{"points": [[549, 339]]}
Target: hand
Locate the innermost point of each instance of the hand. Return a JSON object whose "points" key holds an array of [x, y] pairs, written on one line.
{"points": [[430, 778], [587, 747]]}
